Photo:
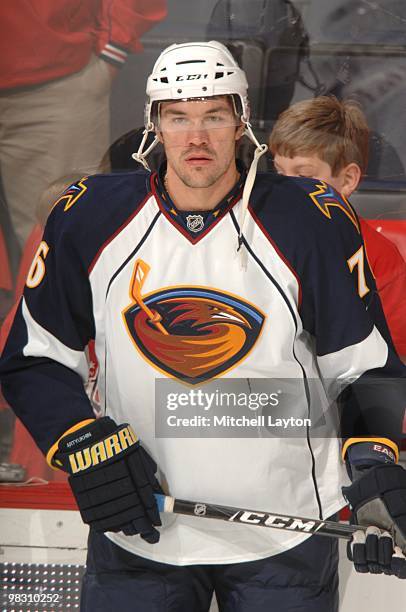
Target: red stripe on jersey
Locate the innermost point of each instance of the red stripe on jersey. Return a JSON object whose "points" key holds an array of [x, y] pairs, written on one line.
{"points": [[281, 255], [120, 229]]}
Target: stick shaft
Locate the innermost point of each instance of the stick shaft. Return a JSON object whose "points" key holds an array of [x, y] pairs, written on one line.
{"points": [[256, 518]]}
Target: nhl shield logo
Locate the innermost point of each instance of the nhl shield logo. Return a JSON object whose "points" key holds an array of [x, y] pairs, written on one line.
{"points": [[195, 223]]}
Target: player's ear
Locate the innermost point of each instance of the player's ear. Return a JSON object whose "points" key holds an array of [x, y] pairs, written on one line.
{"points": [[239, 131], [350, 176], [158, 134]]}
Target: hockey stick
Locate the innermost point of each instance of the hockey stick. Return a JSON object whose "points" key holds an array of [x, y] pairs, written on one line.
{"points": [[257, 518]]}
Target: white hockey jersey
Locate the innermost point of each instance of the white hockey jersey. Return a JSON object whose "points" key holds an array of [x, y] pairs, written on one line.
{"points": [[166, 295]]}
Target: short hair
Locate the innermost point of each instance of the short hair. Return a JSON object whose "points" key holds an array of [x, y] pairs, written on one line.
{"points": [[336, 131]]}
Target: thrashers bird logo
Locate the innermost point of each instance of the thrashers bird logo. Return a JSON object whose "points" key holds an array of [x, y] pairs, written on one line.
{"points": [[190, 333]]}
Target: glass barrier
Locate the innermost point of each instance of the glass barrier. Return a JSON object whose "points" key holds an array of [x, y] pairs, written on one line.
{"points": [[77, 107]]}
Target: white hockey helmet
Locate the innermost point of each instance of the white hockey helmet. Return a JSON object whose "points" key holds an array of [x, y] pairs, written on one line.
{"points": [[196, 70]]}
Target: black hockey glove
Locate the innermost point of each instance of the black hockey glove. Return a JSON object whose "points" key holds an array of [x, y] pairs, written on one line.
{"points": [[377, 498], [112, 478]]}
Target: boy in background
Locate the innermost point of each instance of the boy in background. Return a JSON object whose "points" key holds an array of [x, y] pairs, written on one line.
{"points": [[327, 139]]}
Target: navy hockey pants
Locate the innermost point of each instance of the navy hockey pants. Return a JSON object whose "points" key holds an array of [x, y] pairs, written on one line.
{"points": [[303, 579]]}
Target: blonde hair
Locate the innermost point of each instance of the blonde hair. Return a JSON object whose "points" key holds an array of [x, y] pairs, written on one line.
{"points": [[337, 132]]}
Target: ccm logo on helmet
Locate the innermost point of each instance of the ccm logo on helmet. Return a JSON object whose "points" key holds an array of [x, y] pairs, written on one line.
{"points": [[191, 77]]}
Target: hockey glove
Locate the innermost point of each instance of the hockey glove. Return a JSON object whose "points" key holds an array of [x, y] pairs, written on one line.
{"points": [[377, 498], [112, 478]]}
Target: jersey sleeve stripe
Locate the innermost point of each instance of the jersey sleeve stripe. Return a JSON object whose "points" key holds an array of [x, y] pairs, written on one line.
{"points": [[41, 342], [348, 364]]}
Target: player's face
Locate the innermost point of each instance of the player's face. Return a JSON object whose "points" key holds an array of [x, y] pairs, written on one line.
{"points": [[311, 166], [199, 137]]}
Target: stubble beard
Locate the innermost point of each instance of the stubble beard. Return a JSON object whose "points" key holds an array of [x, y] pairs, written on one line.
{"points": [[201, 177]]}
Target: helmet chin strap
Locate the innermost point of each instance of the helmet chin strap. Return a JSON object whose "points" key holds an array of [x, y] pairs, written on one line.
{"points": [[260, 149], [140, 155]]}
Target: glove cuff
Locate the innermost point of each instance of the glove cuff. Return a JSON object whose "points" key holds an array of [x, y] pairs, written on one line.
{"points": [[362, 456], [50, 456], [99, 442], [379, 444]]}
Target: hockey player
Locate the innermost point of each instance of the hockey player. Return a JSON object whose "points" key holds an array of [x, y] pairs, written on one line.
{"points": [[205, 270]]}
